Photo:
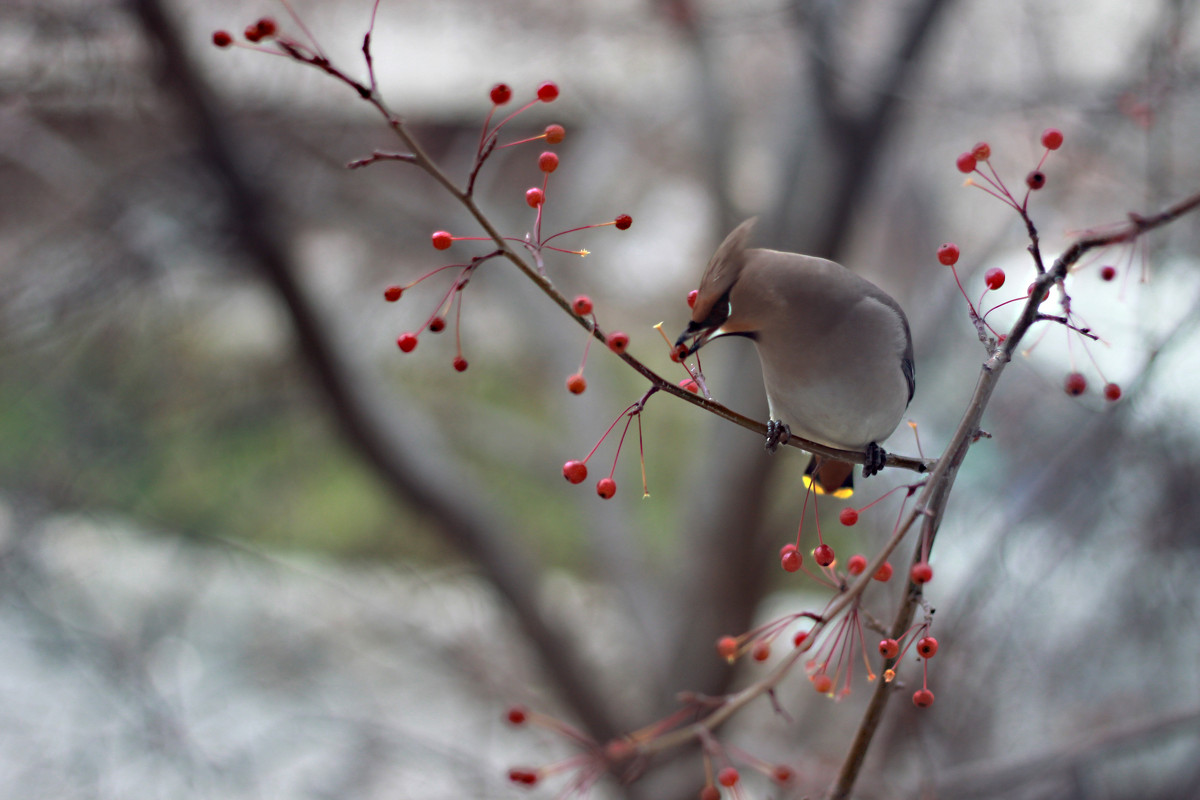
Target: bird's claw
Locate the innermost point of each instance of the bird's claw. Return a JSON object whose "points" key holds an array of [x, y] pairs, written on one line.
{"points": [[777, 433], [876, 456]]}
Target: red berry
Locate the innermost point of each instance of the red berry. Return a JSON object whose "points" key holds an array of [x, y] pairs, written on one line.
{"points": [[407, 342], [251, 33], [575, 471], [576, 384], [761, 650], [1075, 384], [606, 487], [555, 133], [782, 773], [582, 305], [437, 325], [1112, 392], [994, 278], [889, 648], [392, 293], [965, 163], [547, 92], [517, 715], [727, 777], [921, 572], [856, 565], [799, 638], [823, 555], [710, 793], [623, 221], [501, 93], [692, 295], [922, 698], [442, 240], [526, 776], [1035, 180], [1052, 138], [1108, 273], [981, 152], [822, 682], [534, 197], [617, 342], [679, 353], [884, 573], [727, 648], [222, 38], [460, 363], [548, 162], [265, 27], [690, 385], [790, 558], [848, 516], [927, 647], [948, 254]]}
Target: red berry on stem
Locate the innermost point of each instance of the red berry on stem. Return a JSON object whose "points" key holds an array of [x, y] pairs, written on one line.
{"points": [[623, 221], [534, 197], [782, 773], [921, 572], [617, 342], [1075, 384], [982, 151], [575, 471], [884, 573], [407, 342], [690, 385], [856, 565], [517, 715], [889, 648], [1035, 180], [222, 38], [555, 133], [822, 682], [1112, 392], [848, 516], [460, 363], [948, 254], [761, 650], [790, 558], [1052, 138], [501, 93], [582, 305], [922, 698], [265, 27], [691, 298], [251, 33], [994, 278], [548, 162], [437, 325], [606, 487], [727, 777], [927, 647], [965, 163], [679, 353], [823, 555], [576, 384], [547, 92], [1108, 273], [799, 638], [392, 293], [442, 240], [727, 648]]}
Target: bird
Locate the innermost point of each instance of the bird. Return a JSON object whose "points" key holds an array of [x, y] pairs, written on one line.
{"points": [[836, 350]]}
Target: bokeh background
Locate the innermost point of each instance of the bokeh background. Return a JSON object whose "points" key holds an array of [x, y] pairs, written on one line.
{"points": [[249, 550]]}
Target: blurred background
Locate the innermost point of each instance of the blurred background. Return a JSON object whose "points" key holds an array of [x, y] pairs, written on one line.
{"points": [[250, 550]]}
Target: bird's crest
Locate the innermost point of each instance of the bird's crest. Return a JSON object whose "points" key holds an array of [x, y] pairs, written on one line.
{"points": [[722, 271]]}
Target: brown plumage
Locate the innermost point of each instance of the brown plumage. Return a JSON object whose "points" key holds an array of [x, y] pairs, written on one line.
{"points": [[836, 350]]}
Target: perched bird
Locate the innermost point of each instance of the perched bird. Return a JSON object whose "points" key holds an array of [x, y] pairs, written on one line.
{"points": [[836, 351]]}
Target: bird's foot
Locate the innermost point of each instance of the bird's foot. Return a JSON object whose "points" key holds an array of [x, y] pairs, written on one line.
{"points": [[876, 456], [777, 433]]}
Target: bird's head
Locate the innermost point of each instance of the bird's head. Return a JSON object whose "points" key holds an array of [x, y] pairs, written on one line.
{"points": [[712, 314]]}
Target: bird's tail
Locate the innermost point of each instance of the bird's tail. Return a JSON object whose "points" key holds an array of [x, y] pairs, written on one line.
{"points": [[829, 477]]}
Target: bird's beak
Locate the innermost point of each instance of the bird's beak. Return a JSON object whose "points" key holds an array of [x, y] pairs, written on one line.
{"points": [[699, 336]]}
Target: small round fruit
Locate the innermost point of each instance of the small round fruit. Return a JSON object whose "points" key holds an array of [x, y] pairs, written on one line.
{"points": [[437, 325], [799, 638], [617, 341], [1107, 273], [761, 650], [727, 777], [623, 221], [1052, 138], [1035, 180], [823, 555], [548, 92], [1112, 392], [982, 151], [460, 363], [927, 647], [922, 698], [965, 163], [501, 93], [266, 27], [848, 516], [727, 648], [822, 682], [884, 573], [548, 162], [782, 773], [606, 487], [691, 298], [222, 38], [576, 384], [690, 385], [994, 278], [889, 648], [534, 197], [856, 565], [517, 715], [555, 133], [790, 558], [582, 305], [948, 254], [575, 471], [1075, 384], [921, 572], [407, 342], [442, 240], [392, 293]]}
